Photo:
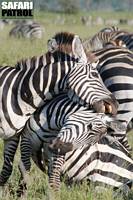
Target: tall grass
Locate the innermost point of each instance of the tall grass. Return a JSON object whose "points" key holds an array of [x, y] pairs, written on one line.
{"points": [[13, 50]]}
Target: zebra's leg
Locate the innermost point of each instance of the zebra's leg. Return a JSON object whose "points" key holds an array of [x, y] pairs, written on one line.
{"points": [[25, 164], [10, 147], [54, 170]]}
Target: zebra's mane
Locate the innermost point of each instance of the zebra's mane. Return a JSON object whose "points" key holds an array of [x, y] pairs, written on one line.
{"points": [[47, 58], [64, 38], [64, 41]]}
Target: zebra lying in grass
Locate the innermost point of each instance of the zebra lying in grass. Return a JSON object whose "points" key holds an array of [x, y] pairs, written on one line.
{"points": [[27, 29], [106, 162], [72, 126]]}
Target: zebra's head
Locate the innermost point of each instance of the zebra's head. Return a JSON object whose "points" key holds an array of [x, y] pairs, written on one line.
{"points": [[67, 43], [83, 80], [86, 86], [95, 129]]}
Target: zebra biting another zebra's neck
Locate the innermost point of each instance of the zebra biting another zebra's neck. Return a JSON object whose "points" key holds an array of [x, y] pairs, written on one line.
{"points": [[26, 87], [62, 126]]}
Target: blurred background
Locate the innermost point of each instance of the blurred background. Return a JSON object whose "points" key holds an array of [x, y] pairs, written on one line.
{"points": [[83, 17]]}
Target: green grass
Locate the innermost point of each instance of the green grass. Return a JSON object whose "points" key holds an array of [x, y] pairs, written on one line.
{"points": [[13, 50]]}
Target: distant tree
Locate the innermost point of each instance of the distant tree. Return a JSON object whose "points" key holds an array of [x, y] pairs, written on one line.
{"points": [[69, 6]]}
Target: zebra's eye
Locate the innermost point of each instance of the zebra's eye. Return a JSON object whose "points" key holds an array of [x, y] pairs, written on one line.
{"points": [[95, 74], [89, 126]]}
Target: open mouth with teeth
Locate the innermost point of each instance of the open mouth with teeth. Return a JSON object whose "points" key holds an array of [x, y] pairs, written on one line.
{"points": [[108, 106]]}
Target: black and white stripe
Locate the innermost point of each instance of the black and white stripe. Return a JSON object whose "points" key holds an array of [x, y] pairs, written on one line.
{"points": [[27, 29], [110, 29], [25, 87], [99, 40], [106, 162], [116, 70], [67, 126]]}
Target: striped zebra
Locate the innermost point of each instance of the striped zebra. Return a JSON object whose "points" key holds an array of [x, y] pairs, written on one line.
{"points": [[106, 162], [115, 43], [99, 40], [127, 38], [25, 87], [116, 69], [65, 126], [27, 29], [110, 29]]}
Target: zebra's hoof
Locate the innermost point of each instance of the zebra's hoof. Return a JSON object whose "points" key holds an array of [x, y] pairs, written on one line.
{"points": [[52, 195], [22, 191], [121, 192]]}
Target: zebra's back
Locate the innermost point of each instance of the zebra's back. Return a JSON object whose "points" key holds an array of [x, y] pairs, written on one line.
{"points": [[105, 162]]}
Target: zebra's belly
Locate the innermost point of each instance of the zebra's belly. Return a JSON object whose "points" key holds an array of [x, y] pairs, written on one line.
{"points": [[8, 129]]}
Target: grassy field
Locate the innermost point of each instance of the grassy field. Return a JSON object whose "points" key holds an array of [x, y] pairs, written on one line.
{"points": [[13, 50]]}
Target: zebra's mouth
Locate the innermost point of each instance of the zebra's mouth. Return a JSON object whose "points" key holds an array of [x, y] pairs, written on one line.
{"points": [[107, 106], [111, 105]]}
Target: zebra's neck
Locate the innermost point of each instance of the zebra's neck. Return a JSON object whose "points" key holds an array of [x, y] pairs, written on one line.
{"points": [[26, 87], [44, 77]]}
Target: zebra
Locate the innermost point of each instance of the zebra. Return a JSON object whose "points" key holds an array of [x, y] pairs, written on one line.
{"points": [[116, 69], [127, 38], [110, 29], [31, 82], [101, 38], [106, 162], [72, 126], [115, 43], [27, 29]]}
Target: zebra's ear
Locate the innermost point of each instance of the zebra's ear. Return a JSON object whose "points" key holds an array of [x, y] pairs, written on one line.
{"points": [[94, 64], [52, 45], [78, 50]]}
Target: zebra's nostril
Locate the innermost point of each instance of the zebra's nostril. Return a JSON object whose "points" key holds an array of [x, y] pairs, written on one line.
{"points": [[99, 106]]}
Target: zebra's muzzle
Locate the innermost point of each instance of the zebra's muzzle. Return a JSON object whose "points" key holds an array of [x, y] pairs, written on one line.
{"points": [[107, 105], [59, 147]]}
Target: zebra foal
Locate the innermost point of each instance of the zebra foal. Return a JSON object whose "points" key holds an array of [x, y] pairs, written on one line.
{"points": [[26, 87], [67, 126]]}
